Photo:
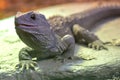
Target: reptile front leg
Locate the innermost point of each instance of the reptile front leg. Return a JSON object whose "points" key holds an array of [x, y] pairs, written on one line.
{"points": [[68, 43], [81, 34], [25, 59]]}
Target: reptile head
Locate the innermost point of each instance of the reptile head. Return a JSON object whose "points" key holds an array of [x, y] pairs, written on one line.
{"points": [[34, 30], [31, 20]]}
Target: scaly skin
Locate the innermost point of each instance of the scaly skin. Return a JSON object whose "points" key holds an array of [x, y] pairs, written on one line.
{"points": [[56, 37]]}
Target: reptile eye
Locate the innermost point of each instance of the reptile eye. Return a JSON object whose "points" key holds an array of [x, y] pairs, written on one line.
{"points": [[33, 16]]}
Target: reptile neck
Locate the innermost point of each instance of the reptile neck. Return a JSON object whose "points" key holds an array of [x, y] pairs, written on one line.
{"points": [[56, 45]]}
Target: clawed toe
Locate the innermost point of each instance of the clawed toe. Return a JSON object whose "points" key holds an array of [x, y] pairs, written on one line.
{"points": [[59, 58], [97, 45], [26, 65], [62, 59]]}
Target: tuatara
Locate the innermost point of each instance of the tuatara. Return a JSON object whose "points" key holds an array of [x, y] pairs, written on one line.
{"points": [[56, 36]]}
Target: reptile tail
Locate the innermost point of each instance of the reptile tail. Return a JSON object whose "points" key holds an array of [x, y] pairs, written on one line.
{"points": [[89, 18]]}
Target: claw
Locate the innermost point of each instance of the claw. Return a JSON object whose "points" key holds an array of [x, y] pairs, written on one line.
{"points": [[105, 48], [93, 46], [35, 64], [60, 58], [31, 65], [97, 48], [89, 45], [26, 65], [22, 67], [17, 66], [63, 58], [97, 45]]}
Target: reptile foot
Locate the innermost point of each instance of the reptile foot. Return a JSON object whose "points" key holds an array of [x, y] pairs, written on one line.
{"points": [[62, 59], [114, 42], [97, 45], [26, 65]]}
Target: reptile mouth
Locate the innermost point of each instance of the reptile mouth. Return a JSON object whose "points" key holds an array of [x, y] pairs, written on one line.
{"points": [[27, 25]]}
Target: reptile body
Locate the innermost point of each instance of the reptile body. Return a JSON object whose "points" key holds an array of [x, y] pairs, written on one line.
{"points": [[56, 37]]}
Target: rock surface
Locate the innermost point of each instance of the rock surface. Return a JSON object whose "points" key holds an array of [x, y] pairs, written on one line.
{"points": [[98, 65]]}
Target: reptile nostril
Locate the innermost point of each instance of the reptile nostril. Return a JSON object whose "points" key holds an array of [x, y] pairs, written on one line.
{"points": [[18, 14]]}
